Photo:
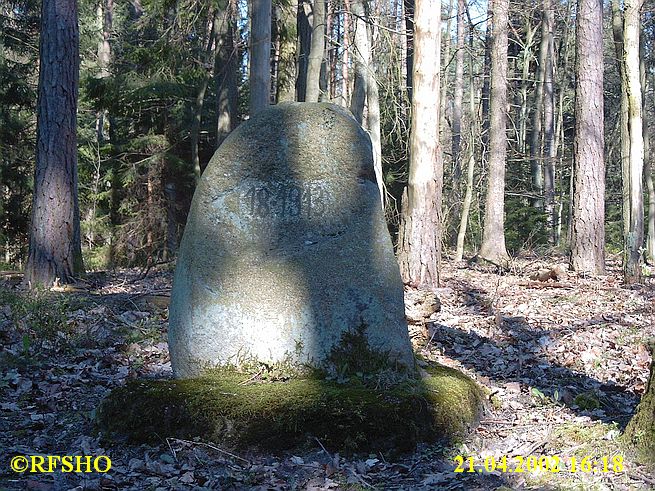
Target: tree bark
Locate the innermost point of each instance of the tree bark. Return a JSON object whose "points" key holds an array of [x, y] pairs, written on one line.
{"points": [[458, 97], [635, 236], [288, 34], [536, 157], [470, 169], [420, 224], [588, 220], [493, 242], [316, 51], [640, 431], [260, 56], [55, 250], [443, 96], [362, 57], [409, 59], [226, 76], [550, 148], [648, 165]]}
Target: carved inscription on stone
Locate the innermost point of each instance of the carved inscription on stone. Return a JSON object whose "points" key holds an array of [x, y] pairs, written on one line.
{"points": [[286, 201]]}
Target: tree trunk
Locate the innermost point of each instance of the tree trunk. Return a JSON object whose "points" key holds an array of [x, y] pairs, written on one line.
{"points": [[55, 250], [260, 56], [550, 149], [207, 63], [458, 96], [635, 237], [304, 43], [486, 84], [588, 220], [316, 51], [288, 35], [409, 28], [536, 157], [493, 242], [226, 76], [640, 432], [373, 115], [345, 80], [443, 96], [470, 170], [362, 56], [624, 142], [648, 165], [420, 223]]}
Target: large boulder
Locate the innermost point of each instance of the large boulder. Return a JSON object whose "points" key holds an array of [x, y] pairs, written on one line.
{"points": [[286, 257]]}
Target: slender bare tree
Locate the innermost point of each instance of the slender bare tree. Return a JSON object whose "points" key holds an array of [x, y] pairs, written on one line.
{"points": [[493, 241], [260, 56]]}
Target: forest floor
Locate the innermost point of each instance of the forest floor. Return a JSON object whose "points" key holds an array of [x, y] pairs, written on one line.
{"points": [[563, 361]]}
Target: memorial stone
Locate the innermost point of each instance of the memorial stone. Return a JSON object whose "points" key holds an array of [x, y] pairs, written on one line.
{"points": [[286, 257]]}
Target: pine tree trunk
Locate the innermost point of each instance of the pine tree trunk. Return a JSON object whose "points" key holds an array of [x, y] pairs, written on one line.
{"points": [[316, 51], [493, 242], [588, 220], [260, 56], [420, 223], [55, 249]]}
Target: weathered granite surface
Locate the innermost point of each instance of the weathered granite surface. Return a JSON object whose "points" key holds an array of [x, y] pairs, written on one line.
{"points": [[286, 250]]}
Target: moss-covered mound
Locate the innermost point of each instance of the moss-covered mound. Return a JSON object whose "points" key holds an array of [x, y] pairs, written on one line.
{"points": [[227, 408]]}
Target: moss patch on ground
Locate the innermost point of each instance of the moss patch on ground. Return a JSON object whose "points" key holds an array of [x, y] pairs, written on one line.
{"points": [[228, 408]]}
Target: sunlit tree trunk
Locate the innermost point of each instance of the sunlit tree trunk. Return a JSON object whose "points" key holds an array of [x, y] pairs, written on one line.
{"points": [[316, 51], [458, 96], [288, 35], [648, 159], [635, 236], [550, 148], [493, 242], [470, 168], [588, 221], [55, 250], [536, 157], [260, 56], [420, 225]]}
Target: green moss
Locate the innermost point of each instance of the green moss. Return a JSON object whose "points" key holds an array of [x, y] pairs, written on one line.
{"points": [[640, 432], [227, 408]]}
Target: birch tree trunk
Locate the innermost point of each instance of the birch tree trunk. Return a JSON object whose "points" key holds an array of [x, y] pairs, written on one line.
{"points": [[588, 220], [493, 242], [55, 251], [420, 223], [260, 56]]}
